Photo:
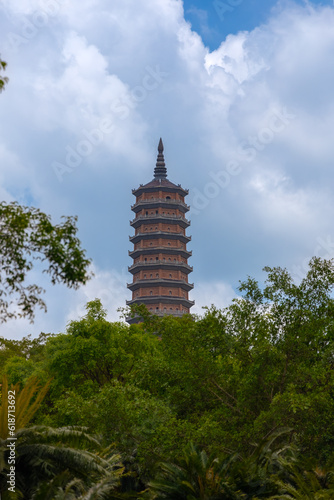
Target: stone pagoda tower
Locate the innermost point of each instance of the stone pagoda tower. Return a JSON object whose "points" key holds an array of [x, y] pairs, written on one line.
{"points": [[160, 266]]}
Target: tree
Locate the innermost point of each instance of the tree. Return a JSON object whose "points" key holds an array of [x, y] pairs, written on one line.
{"points": [[194, 477], [263, 363], [95, 351], [49, 462], [304, 482], [27, 400], [28, 234], [46, 455], [3, 79]]}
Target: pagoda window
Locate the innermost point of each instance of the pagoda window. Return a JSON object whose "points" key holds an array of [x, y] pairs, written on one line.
{"points": [[156, 212], [157, 308], [157, 258], [151, 275], [144, 275], [146, 213], [151, 293], [168, 244], [170, 292], [164, 260], [169, 260], [168, 198], [157, 275], [145, 260], [170, 275], [165, 309], [171, 309]]}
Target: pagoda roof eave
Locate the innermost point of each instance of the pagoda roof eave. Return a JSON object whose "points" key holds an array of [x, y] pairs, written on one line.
{"points": [[158, 185]]}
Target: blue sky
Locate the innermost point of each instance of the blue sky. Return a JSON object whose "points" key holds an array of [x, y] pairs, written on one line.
{"points": [[215, 20], [245, 107]]}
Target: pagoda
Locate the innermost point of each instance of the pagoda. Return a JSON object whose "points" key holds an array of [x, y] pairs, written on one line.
{"points": [[160, 266]]}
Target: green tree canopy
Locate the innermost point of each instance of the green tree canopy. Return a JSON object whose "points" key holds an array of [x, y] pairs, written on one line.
{"points": [[225, 381], [27, 234]]}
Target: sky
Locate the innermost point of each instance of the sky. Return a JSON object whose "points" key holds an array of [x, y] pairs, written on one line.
{"points": [[241, 92]]}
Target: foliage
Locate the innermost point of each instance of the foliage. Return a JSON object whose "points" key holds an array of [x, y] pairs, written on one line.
{"points": [[237, 477], [3, 79], [27, 234], [94, 351], [224, 381], [52, 460], [27, 402]]}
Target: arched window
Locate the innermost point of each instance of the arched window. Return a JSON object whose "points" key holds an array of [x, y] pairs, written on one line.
{"points": [[157, 275], [168, 243], [151, 293], [151, 275], [167, 197], [144, 275], [170, 292], [170, 275]]}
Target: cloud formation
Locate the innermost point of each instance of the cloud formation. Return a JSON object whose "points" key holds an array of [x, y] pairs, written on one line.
{"points": [[247, 127]]}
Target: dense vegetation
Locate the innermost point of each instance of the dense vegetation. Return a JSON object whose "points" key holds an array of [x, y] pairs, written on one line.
{"points": [[237, 404]]}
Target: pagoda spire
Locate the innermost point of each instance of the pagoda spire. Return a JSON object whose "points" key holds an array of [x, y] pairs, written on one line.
{"points": [[160, 171]]}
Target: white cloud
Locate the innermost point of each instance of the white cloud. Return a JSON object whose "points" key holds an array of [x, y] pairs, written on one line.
{"points": [[215, 293], [109, 287], [93, 61]]}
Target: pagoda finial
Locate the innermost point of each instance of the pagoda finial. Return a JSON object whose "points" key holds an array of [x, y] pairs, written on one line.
{"points": [[160, 171]]}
